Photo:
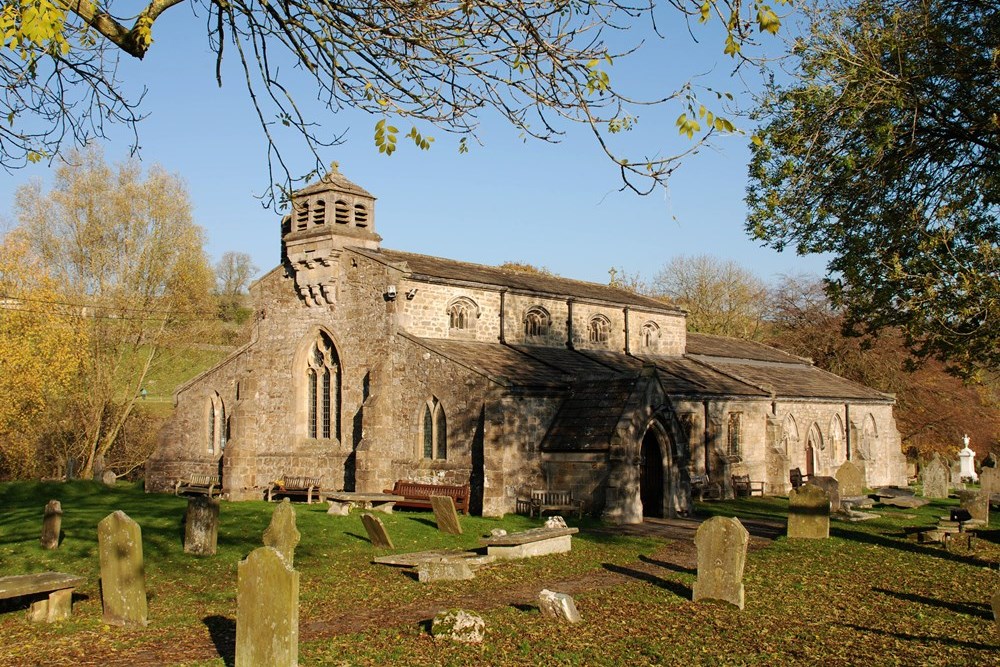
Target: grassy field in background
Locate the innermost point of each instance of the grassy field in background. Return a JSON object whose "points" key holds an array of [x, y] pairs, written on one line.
{"points": [[868, 595]]}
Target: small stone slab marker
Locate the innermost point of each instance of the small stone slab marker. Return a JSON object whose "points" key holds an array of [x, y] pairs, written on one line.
{"points": [[282, 533], [267, 611], [376, 531], [445, 515], [934, 477], [51, 525], [851, 479], [722, 553], [558, 605], [809, 513], [201, 526], [123, 580]]}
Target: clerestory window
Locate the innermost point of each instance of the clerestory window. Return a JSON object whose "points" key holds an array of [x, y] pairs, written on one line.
{"points": [[599, 329], [650, 336], [536, 322]]}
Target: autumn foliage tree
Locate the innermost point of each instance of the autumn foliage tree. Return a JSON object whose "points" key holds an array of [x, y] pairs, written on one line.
{"points": [[124, 252]]}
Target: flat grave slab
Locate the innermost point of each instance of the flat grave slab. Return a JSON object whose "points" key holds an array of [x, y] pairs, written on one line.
{"points": [[528, 543], [417, 558]]}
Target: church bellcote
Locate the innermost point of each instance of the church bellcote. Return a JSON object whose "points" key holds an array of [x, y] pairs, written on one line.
{"points": [[326, 217]]}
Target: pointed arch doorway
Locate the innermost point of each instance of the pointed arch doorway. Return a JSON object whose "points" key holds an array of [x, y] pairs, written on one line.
{"points": [[651, 476]]}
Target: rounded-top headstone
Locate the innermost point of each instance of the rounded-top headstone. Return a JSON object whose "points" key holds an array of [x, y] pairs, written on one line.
{"points": [[109, 477]]}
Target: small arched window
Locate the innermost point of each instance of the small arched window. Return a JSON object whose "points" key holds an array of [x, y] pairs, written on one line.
{"points": [[462, 314], [216, 424], [360, 215], [599, 329], [341, 212], [537, 322], [836, 435], [650, 336], [869, 438], [323, 389], [434, 429], [319, 212], [302, 215]]}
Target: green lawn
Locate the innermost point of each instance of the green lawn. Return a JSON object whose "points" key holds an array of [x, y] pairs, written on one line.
{"points": [[868, 595]]}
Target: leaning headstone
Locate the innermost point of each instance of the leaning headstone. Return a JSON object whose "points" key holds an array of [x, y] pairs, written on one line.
{"points": [[201, 526], [445, 569], [809, 512], [722, 552], [445, 515], [977, 503], [558, 605], [934, 477], [51, 524], [282, 533], [832, 488], [123, 581], [376, 531], [458, 625], [267, 611], [109, 478], [851, 479]]}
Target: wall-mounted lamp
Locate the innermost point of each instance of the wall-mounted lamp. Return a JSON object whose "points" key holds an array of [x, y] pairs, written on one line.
{"points": [[390, 293], [410, 293]]}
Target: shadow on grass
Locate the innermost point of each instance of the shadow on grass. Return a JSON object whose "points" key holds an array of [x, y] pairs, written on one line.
{"points": [[926, 639], [668, 566], [903, 545], [426, 522], [363, 538], [978, 610], [677, 588], [223, 632]]}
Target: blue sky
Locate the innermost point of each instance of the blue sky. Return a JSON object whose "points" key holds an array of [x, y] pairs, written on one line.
{"points": [[557, 206]]}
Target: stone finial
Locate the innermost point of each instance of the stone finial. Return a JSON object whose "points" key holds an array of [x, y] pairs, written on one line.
{"points": [[282, 533], [722, 551]]}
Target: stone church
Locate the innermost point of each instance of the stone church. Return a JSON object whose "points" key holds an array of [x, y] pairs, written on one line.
{"points": [[368, 365]]}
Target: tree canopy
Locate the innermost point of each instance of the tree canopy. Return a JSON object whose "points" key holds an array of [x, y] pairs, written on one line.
{"points": [[884, 151], [541, 65]]}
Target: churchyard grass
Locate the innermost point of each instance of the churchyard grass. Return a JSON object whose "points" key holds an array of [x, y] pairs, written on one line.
{"points": [[867, 595]]}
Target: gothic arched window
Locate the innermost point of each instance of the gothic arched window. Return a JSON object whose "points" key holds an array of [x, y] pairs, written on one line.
{"points": [[434, 431], [650, 336], [599, 329], [462, 314], [322, 389], [216, 424], [536, 322]]}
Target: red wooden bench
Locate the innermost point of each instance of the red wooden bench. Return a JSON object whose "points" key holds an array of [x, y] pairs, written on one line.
{"points": [[418, 496]]}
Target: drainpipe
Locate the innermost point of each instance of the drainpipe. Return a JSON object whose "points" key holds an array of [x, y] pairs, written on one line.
{"points": [[708, 466], [847, 428], [503, 339], [569, 324], [628, 351]]}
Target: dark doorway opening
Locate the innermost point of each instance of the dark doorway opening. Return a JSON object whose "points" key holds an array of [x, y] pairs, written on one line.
{"points": [[651, 476]]}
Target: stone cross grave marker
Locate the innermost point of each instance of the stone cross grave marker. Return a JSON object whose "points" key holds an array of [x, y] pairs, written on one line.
{"points": [[722, 553], [934, 477], [51, 524], [989, 480], [851, 478], [267, 610], [282, 533], [201, 526], [832, 488], [809, 512], [123, 581], [376, 531], [977, 503], [445, 515], [559, 606]]}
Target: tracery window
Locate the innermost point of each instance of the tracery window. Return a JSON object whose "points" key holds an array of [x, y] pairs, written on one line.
{"points": [[599, 329], [462, 314], [536, 322], [735, 439], [434, 431], [323, 389], [650, 336], [216, 424]]}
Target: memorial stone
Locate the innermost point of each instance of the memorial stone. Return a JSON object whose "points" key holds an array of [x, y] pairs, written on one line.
{"points": [[722, 552], [558, 605], [934, 478], [977, 504], [123, 580], [832, 488], [967, 462], [282, 533], [109, 478], [445, 515], [51, 525], [809, 513], [201, 526], [456, 569], [458, 625], [376, 531], [851, 480], [267, 611], [989, 480]]}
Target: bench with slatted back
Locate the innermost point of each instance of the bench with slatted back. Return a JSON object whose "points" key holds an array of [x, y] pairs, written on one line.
{"points": [[295, 487], [542, 500], [743, 487], [205, 485], [418, 496]]}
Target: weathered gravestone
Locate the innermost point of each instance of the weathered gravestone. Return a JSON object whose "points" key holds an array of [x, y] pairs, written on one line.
{"points": [[851, 479], [376, 531], [267, 611], [282, 533], [51, 524], [201, 526], [934, 478], [458, 625], [123, 580], [445, 515], [809, 512], [989, 480], [722, 552], [558, 605], [445, 569], [109, 478], [832, 488], [977, 503]]}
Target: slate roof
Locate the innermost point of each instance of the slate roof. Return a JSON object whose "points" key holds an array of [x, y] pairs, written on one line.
{"points": [[500, 363], [723, 346], [427, 267], [587, 417]]}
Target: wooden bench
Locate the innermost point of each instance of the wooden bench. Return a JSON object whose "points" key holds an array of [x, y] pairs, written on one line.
{"points": [[743, 487], [57, 586], [205, 485], [705, 487], [295, 487], [540, 500], [796, 477], [418, 496]]}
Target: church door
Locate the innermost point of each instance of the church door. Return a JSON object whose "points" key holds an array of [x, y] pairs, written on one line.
{"points": [[651, 477]]}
